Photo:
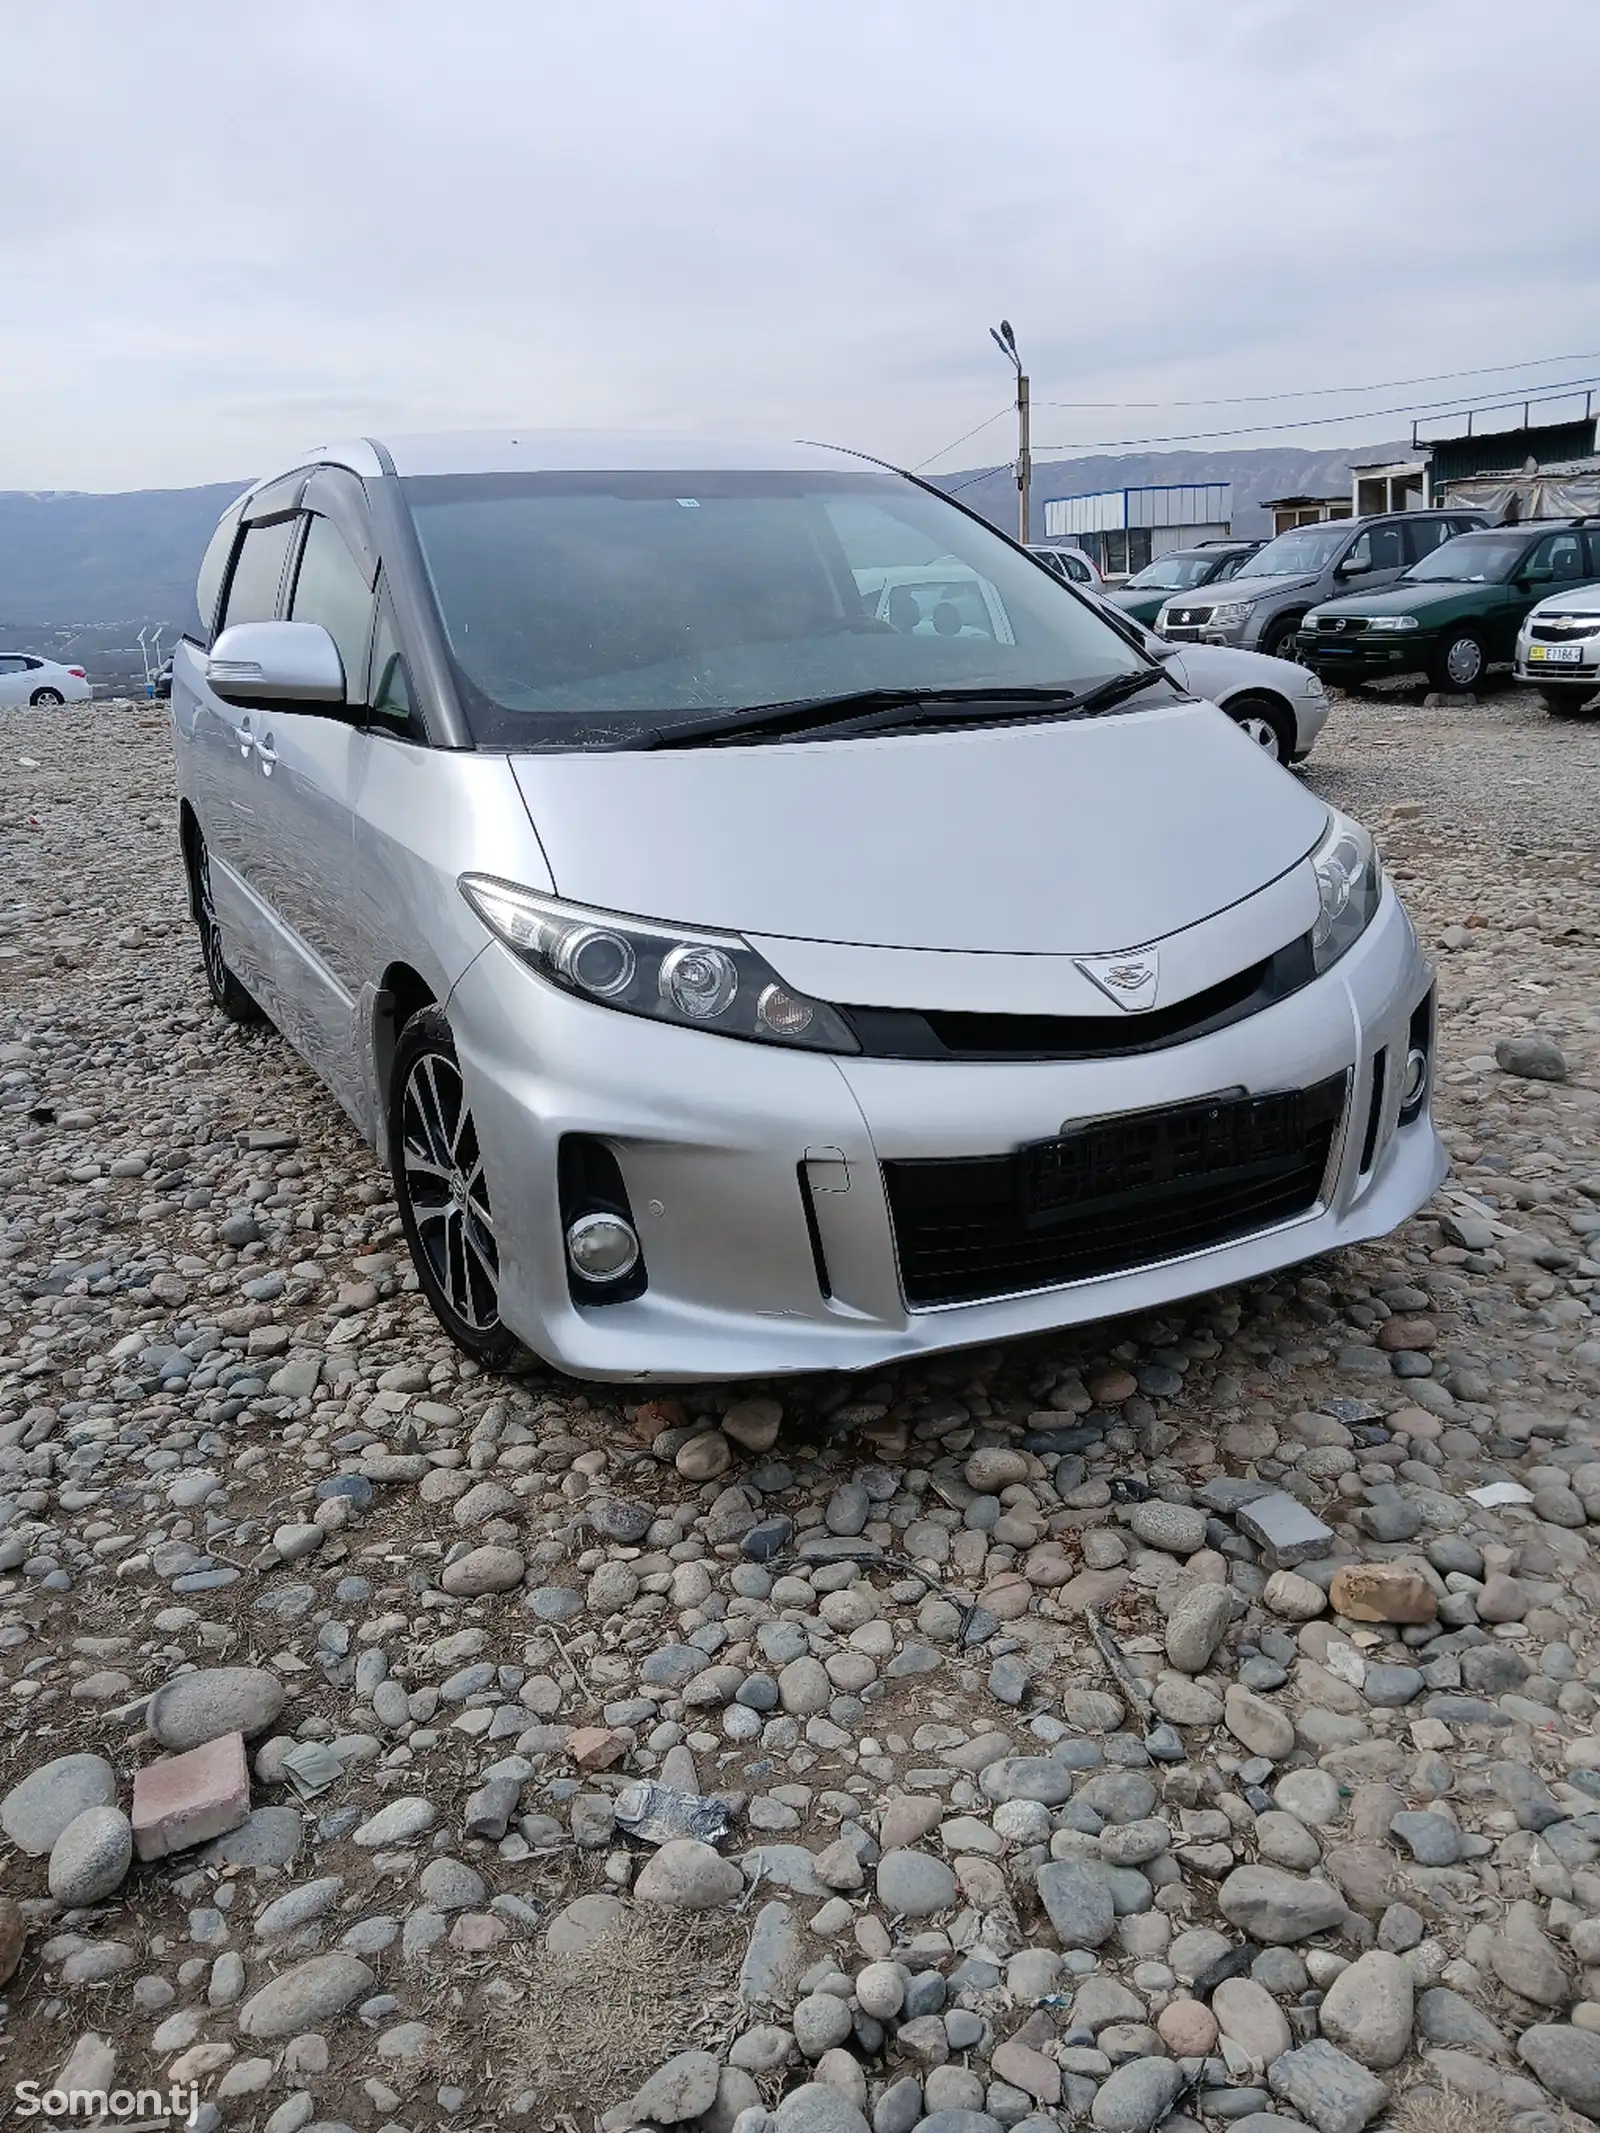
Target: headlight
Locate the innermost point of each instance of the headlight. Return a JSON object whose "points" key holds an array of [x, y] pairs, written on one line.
{"points": [[1392, 622], [1349, 881], [713, 981], [1233, 611], [1312, 621], [1312, 685]]}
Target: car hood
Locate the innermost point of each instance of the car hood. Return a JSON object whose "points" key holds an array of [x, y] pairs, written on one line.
{"points": [[1581, 600], [1418, 600], [1046, 839], [1242, 589]]}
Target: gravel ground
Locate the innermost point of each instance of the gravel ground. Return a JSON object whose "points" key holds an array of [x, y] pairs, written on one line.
{"points": [[1032, 1766]]}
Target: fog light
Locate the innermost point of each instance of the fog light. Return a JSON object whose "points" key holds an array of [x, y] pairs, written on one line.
{"points": [[1416, 1079], [602, 1247]]}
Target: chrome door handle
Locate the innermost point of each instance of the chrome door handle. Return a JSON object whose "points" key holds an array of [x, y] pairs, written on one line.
{"points": [[247, 738], [266, 754]]}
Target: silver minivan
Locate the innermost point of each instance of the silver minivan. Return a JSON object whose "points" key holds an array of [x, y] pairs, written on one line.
{"points": [[766, 921]]}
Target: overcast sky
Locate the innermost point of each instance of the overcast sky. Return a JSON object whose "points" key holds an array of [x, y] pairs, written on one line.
{"points": [[228, 232]]}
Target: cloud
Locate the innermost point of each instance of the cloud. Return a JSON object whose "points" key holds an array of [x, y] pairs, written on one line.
{"points": [[226, 233]]}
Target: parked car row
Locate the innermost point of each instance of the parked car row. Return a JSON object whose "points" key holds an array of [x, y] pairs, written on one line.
{"points": [[1182, 570], [766, 921], [27, 679]]}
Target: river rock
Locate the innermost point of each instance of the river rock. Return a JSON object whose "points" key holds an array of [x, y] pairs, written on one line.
{"points": [[190, 1709]]}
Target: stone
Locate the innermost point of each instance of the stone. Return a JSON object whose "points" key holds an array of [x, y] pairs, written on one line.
{"points": [[1531, 1057], [401, 1822], [1176, 1528], [995, 1468], [1329, 2090], [1445, 2017], [684, 2088], [185, 1800], [13, 1936], [90, 1859], [1188, 2028], [819, 2022], [1248, 2014], [576, 1927], [1432, 1839], [753, 1423], [1293, 1597], [1136, 2097], [190, 1709], [1261, 1726], [1078, 1902], [481, 1570], [687, 1875], [1279, 1908], [1567, 2062], [915, 1884], [305, 1997], [1383, 1592], [816, 2109], [1284, 1529], [704, 1457], [1368, 2009], [1196, 1627], [1525, 1960], [35, 1812]]}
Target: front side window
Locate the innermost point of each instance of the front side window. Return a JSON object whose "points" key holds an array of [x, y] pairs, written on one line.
{"points": [[1174, 573], [1558, 555], [258, 573], [392, 702], [331, 588], [573, 605], [1425, 534], [1379, 548], [213, 569]]}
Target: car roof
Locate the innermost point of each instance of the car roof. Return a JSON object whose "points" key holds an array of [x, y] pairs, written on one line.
{"points": [[600, 451]]}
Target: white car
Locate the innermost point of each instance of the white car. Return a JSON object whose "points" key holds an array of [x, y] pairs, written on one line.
{"points": [[1558, 648], [1281, 705], [27, 679], [1073, 564]]}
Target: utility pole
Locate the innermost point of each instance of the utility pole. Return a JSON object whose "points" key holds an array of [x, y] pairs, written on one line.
{"points": [[1006, 341]]}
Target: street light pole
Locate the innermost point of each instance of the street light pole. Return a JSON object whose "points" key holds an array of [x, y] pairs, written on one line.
{"points": [[1006, 341]]}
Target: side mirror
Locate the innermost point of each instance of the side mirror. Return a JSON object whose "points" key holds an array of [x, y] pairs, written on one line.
{"points": [[1353, 566], [276, 663]]}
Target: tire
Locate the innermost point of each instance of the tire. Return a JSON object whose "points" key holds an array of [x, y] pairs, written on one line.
{"points": [[1567, 703], [1281, 640], [225, 990], [1264, 721], [442, 1193], [46, 699], [1460, 663]]}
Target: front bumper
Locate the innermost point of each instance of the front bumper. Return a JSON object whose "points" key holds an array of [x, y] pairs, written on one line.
{"points": [[1582, 673], [1367, 658], [721, 1144]]}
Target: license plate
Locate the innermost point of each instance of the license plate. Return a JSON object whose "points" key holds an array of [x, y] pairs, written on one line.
{"points": [[1103, 1163], [1556, 655]]}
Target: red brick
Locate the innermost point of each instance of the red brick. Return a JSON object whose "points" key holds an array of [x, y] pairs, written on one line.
{"points": [[186, 1800]]}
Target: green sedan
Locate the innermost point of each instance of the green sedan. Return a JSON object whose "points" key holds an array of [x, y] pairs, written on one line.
{"points": [[1180, 570], [1456, 613]]}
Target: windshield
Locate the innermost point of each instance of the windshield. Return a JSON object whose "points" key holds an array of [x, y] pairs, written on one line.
{"points": [[1306, 552], [1174, 573], [580, 607], [1472, 558]]}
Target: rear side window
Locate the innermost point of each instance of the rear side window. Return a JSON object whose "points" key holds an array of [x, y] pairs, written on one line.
{"points": [[213, 569], [1424, 535], [253, 591], [331, 588]]}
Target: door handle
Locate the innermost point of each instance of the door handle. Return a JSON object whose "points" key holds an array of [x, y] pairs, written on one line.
{"points": [[247, 738], [266, 754]]}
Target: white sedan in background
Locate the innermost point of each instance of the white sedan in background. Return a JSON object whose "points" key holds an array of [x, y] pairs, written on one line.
{"points": [[1558, 648], [1281, 705], [27, 679]]}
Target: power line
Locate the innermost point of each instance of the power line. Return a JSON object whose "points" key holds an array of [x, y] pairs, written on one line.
{"points": [[1311, 422], [1317, 392], [950, 447]]}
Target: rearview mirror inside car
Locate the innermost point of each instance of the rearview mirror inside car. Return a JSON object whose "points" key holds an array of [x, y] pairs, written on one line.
{"points": [[276, 663]]}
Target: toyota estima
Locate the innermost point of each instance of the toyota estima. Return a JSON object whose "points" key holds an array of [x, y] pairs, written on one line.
{"points": [[743, 969]]}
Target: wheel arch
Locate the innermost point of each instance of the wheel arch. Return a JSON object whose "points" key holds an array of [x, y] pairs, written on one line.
{"points": [[402, 992], [189, 843]]}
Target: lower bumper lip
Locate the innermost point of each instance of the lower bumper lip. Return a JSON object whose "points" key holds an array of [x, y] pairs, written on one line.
{"points": [[716, 1141]]}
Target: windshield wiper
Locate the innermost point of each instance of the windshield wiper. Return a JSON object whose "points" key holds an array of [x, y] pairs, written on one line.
{"points": [[878, 710]]}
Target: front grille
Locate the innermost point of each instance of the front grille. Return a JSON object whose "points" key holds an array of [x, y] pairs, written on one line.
{"points": [[1191, 617], [1125, 1193], [903, 1033], [1564, 632], [1341, 625]]}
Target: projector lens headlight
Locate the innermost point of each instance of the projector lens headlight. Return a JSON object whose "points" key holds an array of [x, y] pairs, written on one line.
{"points": [[1349, 883]]}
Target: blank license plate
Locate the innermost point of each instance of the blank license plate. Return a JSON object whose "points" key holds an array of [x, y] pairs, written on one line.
{"points": [[1556, 655], [1153, 1149]]}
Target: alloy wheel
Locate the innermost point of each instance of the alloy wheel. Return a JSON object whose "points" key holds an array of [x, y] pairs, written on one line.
{"points": [[1463, 661], [441, 1165], [46, 699], [1263, 733], [217, 972]]}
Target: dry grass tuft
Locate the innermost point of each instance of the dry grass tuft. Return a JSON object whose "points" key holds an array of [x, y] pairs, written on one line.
{"points": [[586, 2031], [1425, 2108]]}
